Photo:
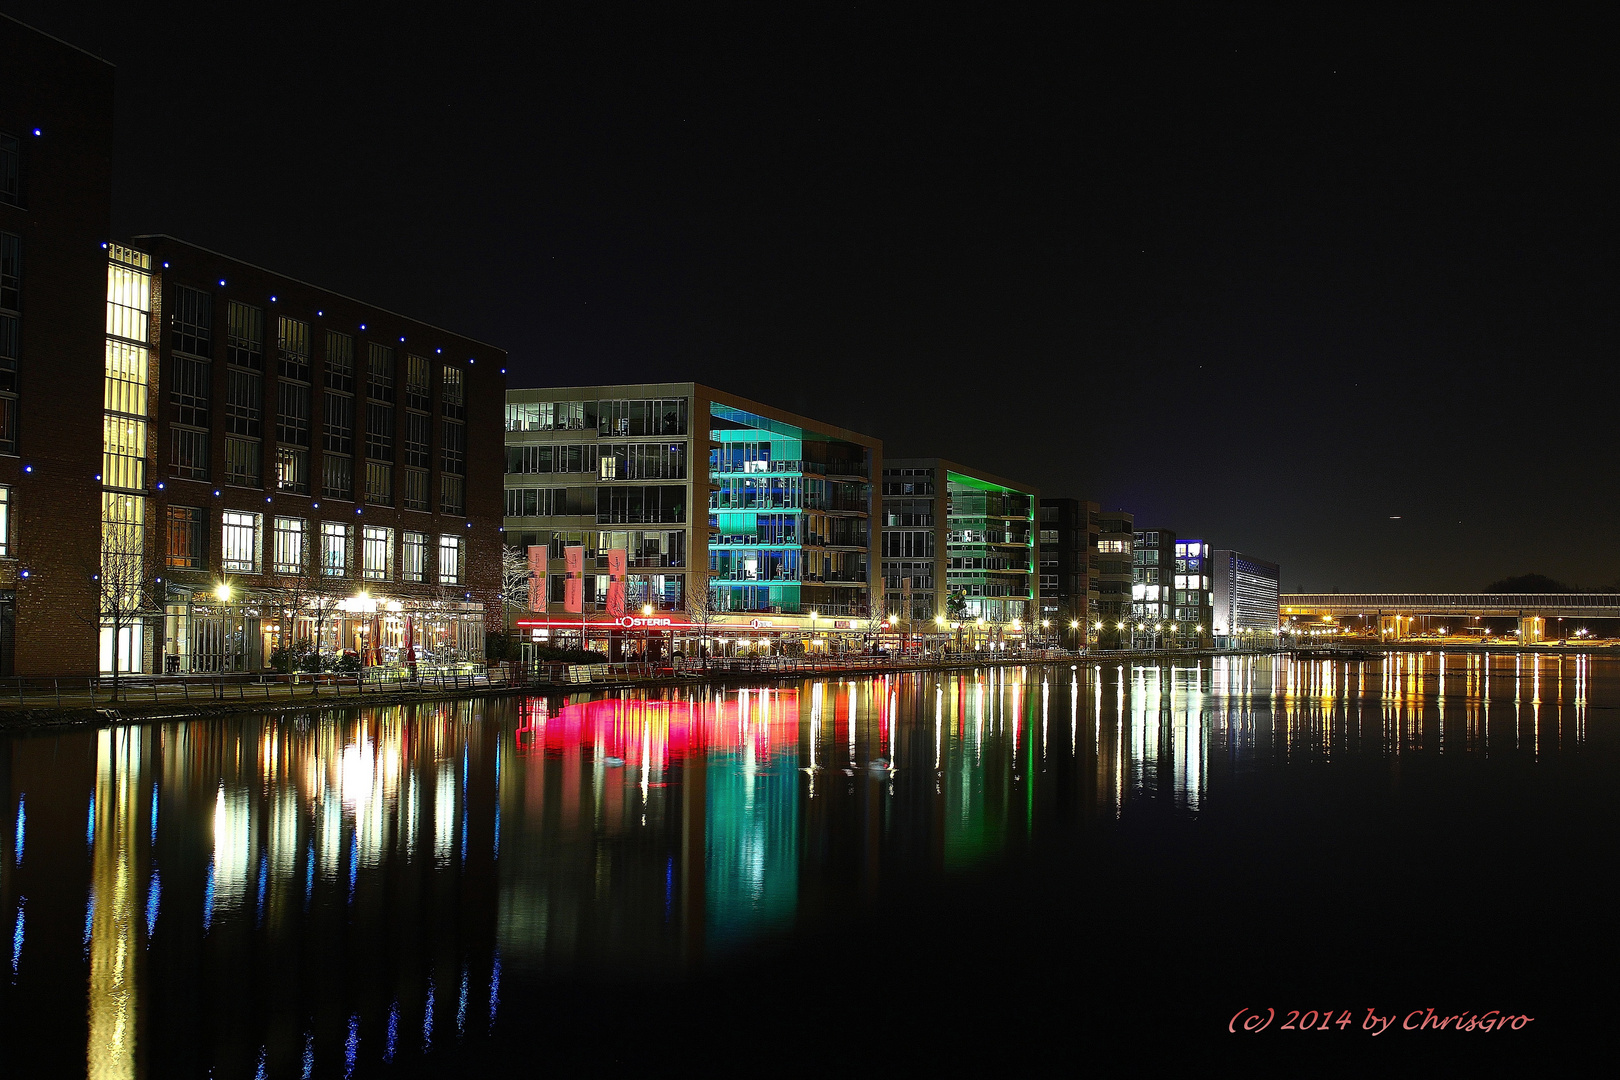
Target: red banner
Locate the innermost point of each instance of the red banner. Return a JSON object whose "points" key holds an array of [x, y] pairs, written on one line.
{"points": [[616, 577], [537, 578], [574, 588]]}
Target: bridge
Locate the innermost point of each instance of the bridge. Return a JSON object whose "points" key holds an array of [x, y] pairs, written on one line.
{"points": [[1531, 609]]}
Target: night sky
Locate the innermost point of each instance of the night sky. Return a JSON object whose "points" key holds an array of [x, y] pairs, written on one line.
{"points": [[1268, 279]]}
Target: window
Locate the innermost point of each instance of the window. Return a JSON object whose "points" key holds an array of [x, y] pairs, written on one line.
{"points": [[243, 402], [242, 462], [417, 387], [189, 453], [191, 327], [379, 431], [123, 452], [334, 549], [289, 545], [5, 521], [415, 495], [10, 336], [379, 483], [414, 552], [185, 539], [339, 423], [339, 361], [380, 373], [292, 347], [376, 553], [292, 470], [292, 417], [453, 455], [190, 390], [10, 170], [450, 560], [239, 542], [539, 502], [337, 477], [453, 403], [417, 432], [244, 335], [633, 505], [10, 272], [453, 495]]}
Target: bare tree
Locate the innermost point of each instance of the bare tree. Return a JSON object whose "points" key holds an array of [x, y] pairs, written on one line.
{"points": [[302, 593], [515, 579], [126, 596], [702, 612]]}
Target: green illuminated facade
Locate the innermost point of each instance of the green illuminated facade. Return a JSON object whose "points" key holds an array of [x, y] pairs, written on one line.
{"points": [[950, 531]]}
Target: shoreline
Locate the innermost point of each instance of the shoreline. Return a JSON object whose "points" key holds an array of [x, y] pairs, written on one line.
{"points": [[48, 717]]}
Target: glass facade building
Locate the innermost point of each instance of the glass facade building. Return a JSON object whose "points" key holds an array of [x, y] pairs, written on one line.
{"points": [[959, 545], [728, 508], [1245, 597]]}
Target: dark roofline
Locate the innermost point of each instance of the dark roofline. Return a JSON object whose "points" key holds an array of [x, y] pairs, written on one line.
{"points": [[312, 285], [36, 30]]}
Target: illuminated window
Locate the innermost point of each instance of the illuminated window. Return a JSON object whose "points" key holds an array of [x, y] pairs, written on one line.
{"points": [[289, 545], [379, 483], [292, 470], [414, 556], [376, 553], [450, 560], [292, 347], [185, 541], [453, 402], [5, 521], [334, 549], [417, 386], [339, 417], [239, 542], [244, 335]]}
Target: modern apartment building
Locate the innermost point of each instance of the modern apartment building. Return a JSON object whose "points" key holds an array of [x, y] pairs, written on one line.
{"points": [[959, 545], [1116, 536], [1245, 597], [729, 510], [1150, 622], [1192, 612], [200, 459], [1069, 536]]}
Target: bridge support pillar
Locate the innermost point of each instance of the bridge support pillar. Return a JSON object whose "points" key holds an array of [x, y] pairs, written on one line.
{"points": [[1530, 629], [1389, 627]]}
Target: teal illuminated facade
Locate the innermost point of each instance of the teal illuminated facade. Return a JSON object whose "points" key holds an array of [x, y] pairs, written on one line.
{"points": [[762, 514]]}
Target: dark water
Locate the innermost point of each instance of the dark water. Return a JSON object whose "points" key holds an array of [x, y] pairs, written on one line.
{"points": [[1002, 870]]}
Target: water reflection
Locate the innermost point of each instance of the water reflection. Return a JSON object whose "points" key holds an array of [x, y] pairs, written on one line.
{"points": [[267, 896]]}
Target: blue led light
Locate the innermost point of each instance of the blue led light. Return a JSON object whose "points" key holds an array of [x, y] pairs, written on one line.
{"points": [[272, 299], [362, 326], [38, 132], [222, 283], [28, 468]]}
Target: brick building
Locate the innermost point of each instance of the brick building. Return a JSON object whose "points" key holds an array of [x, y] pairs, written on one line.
{"points": [[56, 129], [201, 459]]}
